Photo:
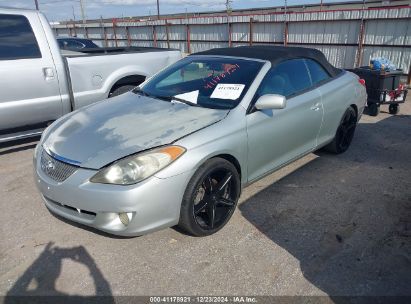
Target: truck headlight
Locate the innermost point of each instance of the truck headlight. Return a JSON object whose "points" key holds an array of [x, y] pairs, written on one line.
{"points": [[138, 167]]}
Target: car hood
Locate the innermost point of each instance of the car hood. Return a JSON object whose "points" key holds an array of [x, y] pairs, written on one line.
{"points": [[97, 135]]}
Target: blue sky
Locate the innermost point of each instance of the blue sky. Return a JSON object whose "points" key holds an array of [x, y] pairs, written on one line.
{"points": [[57, 10]]}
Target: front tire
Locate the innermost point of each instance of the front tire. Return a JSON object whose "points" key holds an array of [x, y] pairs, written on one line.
{"points": [[345, 133], [210, 198]]}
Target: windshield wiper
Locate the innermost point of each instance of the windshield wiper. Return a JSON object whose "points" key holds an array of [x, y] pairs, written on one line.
{"points": [[166, 98], [187, 102], [171, 98]]}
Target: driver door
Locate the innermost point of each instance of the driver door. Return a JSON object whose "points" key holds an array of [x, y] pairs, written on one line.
{"points": [[29, 85], [276, 137]]}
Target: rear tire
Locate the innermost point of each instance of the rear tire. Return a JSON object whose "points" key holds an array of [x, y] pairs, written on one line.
{"points": [[210, 198], [344, 134], [373, 109], [121, 90], [394, 109]]}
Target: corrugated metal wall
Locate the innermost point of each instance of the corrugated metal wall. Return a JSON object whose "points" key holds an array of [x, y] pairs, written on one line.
{"points": [[347, 37], [328, 32]]}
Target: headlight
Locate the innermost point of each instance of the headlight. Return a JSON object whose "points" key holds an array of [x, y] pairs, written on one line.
{"points": [[138, 167]]}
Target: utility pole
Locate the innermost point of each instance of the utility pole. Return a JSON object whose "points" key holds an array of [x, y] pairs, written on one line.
{"points": [[74, 15], [158, 9], [228, 11], [285, 24], [285, 9], [36, 2], [228, 6], [83, 15]]}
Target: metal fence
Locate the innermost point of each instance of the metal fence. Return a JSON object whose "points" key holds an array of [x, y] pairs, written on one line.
{"points": [[348, 37]]}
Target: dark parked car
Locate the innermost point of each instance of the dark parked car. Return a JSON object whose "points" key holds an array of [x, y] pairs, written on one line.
{"points": [[75, 44]]}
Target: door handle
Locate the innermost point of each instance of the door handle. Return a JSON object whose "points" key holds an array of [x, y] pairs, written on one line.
{"points": [[48, 74], [316, 107]]}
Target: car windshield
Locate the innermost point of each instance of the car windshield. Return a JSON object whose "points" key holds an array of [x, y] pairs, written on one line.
{"points": [[210, 82]]}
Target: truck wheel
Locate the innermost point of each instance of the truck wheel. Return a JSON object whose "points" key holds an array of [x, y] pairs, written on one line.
{"points": [[121, 90], [394, 109], [373, 109]]}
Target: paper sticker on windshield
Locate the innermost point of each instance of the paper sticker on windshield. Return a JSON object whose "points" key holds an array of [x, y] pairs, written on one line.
{"points": [[189, 96], [227, 91]]}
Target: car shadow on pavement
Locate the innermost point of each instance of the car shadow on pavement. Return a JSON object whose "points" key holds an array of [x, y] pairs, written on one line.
{"points": [[39, 280], [347, 218], [18, 145]]}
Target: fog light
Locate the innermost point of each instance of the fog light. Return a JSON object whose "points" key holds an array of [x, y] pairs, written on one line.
{"points": [[125, 217]]}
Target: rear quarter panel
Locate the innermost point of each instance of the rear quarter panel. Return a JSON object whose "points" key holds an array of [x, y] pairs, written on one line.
{"points": [[337, 95]]}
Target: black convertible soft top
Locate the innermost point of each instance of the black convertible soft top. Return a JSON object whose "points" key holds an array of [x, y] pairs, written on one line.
{"points": [[275, 54]]}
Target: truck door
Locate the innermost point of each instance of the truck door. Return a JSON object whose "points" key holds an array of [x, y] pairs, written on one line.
{"points": [[29, 86]]}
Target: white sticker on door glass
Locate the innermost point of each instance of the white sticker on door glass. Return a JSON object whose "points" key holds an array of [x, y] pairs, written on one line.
{"points": [[227, 91]]}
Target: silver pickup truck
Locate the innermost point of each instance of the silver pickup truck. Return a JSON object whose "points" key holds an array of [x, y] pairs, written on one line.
{"points": [[39, 83]]}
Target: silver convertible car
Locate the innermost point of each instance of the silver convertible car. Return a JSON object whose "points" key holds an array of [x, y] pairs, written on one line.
{"points": [[179, 148]]}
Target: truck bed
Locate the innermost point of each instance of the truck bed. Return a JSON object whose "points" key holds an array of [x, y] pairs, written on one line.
{"points": [[114, 51], [93, 75]]}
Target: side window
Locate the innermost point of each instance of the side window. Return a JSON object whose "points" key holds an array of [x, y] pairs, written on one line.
{"points": [[61, 43], [287, 78], [73, 44], [317, 72], [17, 40]]}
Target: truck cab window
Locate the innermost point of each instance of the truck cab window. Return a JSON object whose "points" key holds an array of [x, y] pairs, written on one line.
{"points": [[17, 40]]}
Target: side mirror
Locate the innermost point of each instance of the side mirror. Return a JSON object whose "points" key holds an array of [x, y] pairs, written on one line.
{"points": [[270, 102]]}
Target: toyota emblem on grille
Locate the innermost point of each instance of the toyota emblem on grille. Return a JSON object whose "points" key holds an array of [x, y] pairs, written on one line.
{"points": [[49, 166], [56, 169]]}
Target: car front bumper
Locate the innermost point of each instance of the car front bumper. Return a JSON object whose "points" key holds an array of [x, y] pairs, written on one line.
{"points": [[152, 204]]}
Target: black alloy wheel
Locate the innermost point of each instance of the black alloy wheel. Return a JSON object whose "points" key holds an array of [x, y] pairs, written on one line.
{"points": [[345, 132], [211, 198]]}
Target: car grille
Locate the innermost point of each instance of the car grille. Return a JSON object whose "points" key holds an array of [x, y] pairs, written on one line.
{"points": [[56, 169]]}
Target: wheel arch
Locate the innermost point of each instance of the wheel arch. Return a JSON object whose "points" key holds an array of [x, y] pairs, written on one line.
{"points": [[135, 79], [355, 107], [230, 158], [342, 116]]}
